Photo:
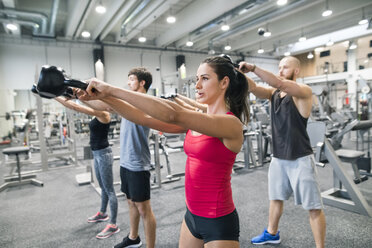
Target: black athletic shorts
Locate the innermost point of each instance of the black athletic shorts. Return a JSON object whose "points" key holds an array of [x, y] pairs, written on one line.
{"points": [[135, 184], [210, 229]]}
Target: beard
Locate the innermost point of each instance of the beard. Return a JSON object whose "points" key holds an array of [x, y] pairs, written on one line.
{"points": [[291, 77]]}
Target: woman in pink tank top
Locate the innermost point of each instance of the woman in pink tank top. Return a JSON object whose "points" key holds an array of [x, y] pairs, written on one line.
{"points": [[212, 141]]}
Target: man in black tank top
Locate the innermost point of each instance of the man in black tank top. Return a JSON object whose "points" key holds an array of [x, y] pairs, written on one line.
{"points": [[291, 170]]}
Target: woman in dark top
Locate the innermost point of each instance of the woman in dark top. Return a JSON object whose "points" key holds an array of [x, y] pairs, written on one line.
{"points": [[103, 160]]}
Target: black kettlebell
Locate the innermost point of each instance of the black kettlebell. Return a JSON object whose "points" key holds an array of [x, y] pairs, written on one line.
{"points": [[53, 82], [69, 93], [35, 91]]}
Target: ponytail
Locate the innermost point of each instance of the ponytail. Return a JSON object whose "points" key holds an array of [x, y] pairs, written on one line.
{"points": [[236, 95]]}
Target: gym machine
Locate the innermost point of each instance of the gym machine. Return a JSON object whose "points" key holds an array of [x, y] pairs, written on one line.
{"points": [[323, 109], [157, 177], [359, 162], [70, 146], [158, 141], [258, 130], [21, 178], [344, 194]]}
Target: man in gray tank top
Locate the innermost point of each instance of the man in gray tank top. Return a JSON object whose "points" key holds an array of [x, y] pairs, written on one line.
{"points": [[291, 169]]}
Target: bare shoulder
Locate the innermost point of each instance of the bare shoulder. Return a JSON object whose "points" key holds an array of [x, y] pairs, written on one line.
{"points": [[307, 88]]}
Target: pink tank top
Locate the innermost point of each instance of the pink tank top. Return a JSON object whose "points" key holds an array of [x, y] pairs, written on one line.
{"points": [[208, 176]]}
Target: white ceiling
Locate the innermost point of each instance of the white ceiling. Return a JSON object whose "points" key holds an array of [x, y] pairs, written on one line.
{"points": [[197, 20]]}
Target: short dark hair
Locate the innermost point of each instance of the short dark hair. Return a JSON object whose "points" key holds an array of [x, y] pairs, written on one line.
{"points": [[236, 95], [142, 74]]}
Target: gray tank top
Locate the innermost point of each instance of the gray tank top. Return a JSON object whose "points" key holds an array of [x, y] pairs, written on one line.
{"points": [[289, 135], [134, 146]]}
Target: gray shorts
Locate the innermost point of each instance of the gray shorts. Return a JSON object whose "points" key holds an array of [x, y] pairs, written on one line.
{"points": [[295, 176]]}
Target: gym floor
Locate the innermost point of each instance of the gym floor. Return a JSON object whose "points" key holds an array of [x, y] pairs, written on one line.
{"points": [[56, 215]]}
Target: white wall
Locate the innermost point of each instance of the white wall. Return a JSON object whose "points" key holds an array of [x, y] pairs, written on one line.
{"points": [[20, 64]]}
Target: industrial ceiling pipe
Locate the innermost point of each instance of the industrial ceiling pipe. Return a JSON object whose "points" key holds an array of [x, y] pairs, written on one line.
{"points": [[53, 17], [34, 25], [26, 14]]}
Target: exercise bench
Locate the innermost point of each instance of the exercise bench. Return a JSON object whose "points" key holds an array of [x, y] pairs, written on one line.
{"points": [[20, 180]]}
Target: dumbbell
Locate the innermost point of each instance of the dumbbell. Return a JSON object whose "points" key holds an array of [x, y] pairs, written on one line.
{"points": [[6, 116]]}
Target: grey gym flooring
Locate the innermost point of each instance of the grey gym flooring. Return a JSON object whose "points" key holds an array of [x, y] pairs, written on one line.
{"points": [[55, 215]]}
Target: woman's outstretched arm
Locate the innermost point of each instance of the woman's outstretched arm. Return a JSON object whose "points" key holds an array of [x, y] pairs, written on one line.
{"points": [[215, 125]]}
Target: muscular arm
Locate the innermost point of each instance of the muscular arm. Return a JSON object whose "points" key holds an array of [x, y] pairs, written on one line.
{"points": [[290, 87], [259, 91], [137, 116], [94, 104], [190, 102], [215, 125], [184, 104], [98, 105], [301, 93], [103, 116]]}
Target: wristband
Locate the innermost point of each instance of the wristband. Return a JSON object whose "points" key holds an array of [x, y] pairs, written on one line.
{"points": [[253, 68]]}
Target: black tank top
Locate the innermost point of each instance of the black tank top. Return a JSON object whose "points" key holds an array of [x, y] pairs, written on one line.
{"points": [[289, 135], [98, 134]]}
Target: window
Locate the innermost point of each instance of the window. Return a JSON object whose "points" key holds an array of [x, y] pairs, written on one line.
{"points": [[325, 53]]}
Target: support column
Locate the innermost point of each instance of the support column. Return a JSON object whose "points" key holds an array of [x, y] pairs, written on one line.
{"points": [[352, 77], [40, 124]]}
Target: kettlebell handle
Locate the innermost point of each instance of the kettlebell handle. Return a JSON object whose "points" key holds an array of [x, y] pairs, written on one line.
{"points": [[77, 84]]}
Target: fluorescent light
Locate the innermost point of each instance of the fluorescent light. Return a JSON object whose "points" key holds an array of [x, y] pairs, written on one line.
{"points": [[11, 26], [302, 38], [171, 19], [85, 34], [267, 34], [142, 39], [225, 27], [189, 43], [363, 21], [242, 11], [100, 9], [327, 12], [281, 2], [227, 47], [319, 49], [310, 55], [260, 50], [211, 52], [366, 61], [287, 53]]}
